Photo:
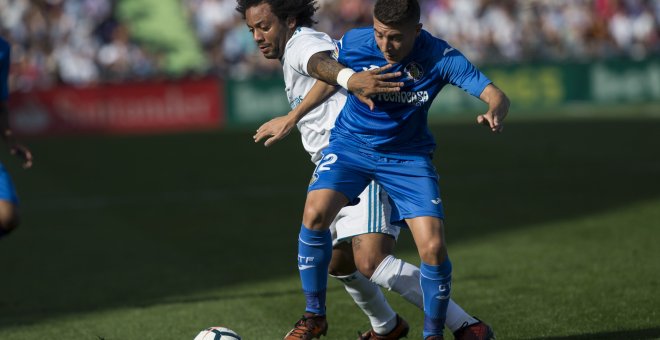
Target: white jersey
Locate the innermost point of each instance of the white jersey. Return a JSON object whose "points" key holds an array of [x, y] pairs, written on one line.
{"points": [[315, 126], [372, 213]]}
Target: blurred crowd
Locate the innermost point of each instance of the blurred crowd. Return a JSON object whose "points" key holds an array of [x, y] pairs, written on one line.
{"points": [[83, 42], [76, 42]]}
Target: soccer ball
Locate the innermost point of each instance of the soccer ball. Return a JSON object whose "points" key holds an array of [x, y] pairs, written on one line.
{"points": [[217, 333]]}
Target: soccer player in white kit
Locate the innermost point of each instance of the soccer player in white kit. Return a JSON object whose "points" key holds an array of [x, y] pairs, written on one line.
{"points": [[282, 31]]}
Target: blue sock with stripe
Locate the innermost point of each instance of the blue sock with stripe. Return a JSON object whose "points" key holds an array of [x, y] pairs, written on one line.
{"points": [[436, 285], [314, 254]]}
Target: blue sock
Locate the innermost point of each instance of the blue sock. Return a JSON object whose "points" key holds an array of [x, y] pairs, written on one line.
{"points": [[314, 254], [436, 285]]}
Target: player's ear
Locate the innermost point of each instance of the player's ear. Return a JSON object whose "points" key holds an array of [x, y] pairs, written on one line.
{"points": [[418, 29], [291, 23]]}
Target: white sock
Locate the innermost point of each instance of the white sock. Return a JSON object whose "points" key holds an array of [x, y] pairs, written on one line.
{"points": [[371, 300], [457, 317], [403, 278]]}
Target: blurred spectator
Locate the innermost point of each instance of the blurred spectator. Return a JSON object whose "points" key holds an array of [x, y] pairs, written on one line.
{"points": [[211, 18], [121, 59], [81, 42]]}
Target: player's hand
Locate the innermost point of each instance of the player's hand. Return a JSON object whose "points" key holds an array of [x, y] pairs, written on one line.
{"points": [[275, 130], [493, 119], [23, 153], [368, 83], [498, 107]]}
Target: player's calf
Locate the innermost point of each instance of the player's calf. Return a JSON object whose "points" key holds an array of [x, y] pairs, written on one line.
{"points": [[342, 262]]}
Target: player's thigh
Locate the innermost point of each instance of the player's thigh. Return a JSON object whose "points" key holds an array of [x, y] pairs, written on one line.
{"points": [[429, 236], [370, 215], [413, 187], [342, 170], [321, 207]]}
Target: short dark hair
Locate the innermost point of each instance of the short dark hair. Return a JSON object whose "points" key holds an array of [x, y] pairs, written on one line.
{"points": [[397, 12], [302, 10]]}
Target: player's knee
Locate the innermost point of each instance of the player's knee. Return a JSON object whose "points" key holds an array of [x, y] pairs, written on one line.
{"points": [[433, 252], [313, 217], [367, 265], [367, 268], [8, 222]]}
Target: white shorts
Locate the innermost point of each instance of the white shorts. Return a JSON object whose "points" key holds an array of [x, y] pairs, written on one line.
{"points": [[370, 215]]}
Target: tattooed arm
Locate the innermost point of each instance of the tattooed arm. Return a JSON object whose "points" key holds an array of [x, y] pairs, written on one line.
{"points": [[363, 84]]}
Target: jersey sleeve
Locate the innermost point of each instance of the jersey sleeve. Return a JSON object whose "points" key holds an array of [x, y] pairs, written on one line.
{"points": [[304, 46], [341, 48], [5, 53], [460, 72], [338, 49]]}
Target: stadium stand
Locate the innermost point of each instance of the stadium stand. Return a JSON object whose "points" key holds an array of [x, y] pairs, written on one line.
{"points": [[81, 42]]}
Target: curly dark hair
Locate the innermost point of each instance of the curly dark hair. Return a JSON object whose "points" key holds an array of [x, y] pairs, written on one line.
{"points": [[302, 10], [397, 12]]}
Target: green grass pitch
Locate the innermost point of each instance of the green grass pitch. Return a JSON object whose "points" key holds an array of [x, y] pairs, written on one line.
{"points": [[553, 228]]}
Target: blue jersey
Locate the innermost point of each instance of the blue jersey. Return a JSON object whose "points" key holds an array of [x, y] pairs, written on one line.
{"points": [[398, 124], [7, 191], [4, 69]]}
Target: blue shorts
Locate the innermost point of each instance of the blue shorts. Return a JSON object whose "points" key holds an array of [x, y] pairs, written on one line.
{"points": [[410, 181], [7, 191]]}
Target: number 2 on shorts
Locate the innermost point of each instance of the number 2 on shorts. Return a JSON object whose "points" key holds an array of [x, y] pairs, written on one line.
{"points": [[326, 161]]}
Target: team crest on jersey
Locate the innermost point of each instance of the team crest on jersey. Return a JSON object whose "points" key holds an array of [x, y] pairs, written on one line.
{"points": [[414, 71]]}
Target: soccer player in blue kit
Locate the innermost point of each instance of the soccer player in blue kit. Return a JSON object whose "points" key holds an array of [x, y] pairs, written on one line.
{"points": [[390, 143], [363, 235], [8, 198]]}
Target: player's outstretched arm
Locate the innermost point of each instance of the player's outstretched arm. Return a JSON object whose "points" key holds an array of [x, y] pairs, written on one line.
{"points": [[498, 108], [280, 127], [16, 149], [363, 84]]}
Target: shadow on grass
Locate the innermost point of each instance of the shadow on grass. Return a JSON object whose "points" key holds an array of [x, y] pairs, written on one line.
{"points": [[239, 296], [153, 217], [637, 334]]}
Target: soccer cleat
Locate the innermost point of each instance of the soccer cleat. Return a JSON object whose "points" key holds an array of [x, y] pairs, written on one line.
{"points": [[310, 326], [400, 331], [475, 331]]}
